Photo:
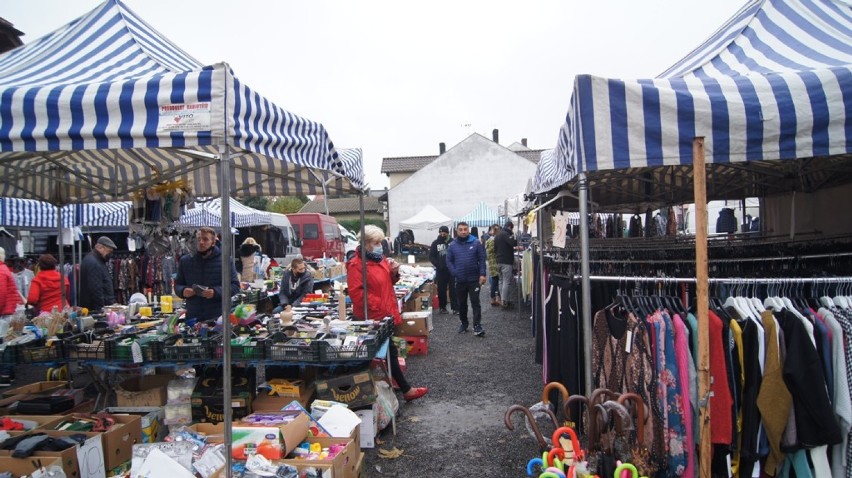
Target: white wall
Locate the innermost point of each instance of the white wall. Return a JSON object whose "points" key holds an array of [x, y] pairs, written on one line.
{"points": [[477, 169]]}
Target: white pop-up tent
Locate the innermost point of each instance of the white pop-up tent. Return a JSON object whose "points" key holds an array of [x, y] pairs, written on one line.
{"points": [[429, 218]]}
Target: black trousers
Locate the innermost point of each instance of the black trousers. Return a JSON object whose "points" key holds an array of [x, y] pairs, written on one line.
{"points": [[465, 291], [446, 281], [396, 370]]}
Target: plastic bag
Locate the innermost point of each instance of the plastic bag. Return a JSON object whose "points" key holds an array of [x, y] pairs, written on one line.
{"points": [[387, 402]]}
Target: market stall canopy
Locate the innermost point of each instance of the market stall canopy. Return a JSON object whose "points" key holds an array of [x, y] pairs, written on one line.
{"points": [[209, 213], [428, 218], [32, 214], [773, 84], [106, 105], [480, 216]]}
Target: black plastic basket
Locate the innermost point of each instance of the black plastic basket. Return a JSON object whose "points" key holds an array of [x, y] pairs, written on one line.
{"points": [[120, 348], [91, 345], [366, 350], [41, 351], [256, 350], [282, 348], [182, 348]]}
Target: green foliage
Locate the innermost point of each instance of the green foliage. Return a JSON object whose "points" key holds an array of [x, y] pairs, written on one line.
{"points": [[257, 202], [285, 205], [354, 225]]}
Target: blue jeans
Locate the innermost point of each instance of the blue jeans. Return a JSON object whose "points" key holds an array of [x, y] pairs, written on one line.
{"points": [[494, 281]]}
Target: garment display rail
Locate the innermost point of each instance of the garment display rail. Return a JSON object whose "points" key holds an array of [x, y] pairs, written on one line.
{"points": [[720, 280], [711, 261]]}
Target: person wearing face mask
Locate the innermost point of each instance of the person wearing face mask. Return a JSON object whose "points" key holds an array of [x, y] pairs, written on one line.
{"points": [[96, 290], [380, 297], [296, 282], [199, 278]]}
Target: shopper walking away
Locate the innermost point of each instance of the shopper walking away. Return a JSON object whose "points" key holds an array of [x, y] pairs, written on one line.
{"points": [[438, 258], [466, 261], [493, 267], [380, 297], [10, 297], [245, 265], [504, 248], [45, 291], [96, 289], [296, 282], [199, 278]]}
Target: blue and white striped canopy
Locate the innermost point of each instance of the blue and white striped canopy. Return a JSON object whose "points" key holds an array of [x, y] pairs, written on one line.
{"points": [[210, 214], [773, 83], [480, 216], [106, 105], [29, 213]]}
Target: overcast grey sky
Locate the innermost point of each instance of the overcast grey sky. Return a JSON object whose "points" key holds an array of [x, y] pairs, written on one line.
{"points": [[395, 78]]}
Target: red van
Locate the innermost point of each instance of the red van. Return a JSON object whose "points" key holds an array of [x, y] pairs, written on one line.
{"points": [[320, 235]]}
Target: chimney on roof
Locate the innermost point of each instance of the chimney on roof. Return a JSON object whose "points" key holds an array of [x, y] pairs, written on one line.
{"points": [[442, 148], [524, 141], [495, 135]]}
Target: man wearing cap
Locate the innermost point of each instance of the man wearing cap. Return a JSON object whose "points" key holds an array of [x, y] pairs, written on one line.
{"points": [[95, 281], [438, 257], [504, 248]]}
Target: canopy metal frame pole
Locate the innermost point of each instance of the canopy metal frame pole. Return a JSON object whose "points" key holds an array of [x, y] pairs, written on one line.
{"points": [[227, 241], [586, 283], [61, 243], [363, 255]]}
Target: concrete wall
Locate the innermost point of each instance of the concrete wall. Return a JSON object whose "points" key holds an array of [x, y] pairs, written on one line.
{"points": [[477, 169], [396, 178]]}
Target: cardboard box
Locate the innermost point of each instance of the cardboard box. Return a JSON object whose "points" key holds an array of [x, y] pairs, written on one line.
{"points": [[343, 465], [37, 388], [291, 434], [416, 344], [89, 456], [143, 391], [284, 387], [416, 301], [414, 323], [355, 390], [43, 422], [369, 425], [150, 420], [210, 408], [359, 466], [118, 442], [273, 403], [24, 466]]}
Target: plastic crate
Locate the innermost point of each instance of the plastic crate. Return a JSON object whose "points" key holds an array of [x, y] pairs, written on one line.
{"points": [[120, 348], [189, 348], [41, 351], [366, 350], [256, 350], [282, 348], [89, 345]]}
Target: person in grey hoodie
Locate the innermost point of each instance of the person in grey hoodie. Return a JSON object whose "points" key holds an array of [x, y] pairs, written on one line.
{"points": [[466, 262]]}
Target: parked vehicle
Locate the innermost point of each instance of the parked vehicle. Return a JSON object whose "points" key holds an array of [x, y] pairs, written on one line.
{"points": [[277, 240], [319, 234], [350, 241]]}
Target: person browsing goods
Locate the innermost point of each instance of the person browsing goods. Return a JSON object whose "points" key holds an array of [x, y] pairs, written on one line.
{"points": [[96, 289], [504, 249], [296, 282], [466, 261], [199, 278], [380, 297], [438, 258]]}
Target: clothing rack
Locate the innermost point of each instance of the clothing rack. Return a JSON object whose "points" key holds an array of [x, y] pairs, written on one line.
{"points": [[711, 261], [720, 280]]}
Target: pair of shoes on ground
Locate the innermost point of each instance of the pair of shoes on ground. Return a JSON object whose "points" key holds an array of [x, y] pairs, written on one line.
{"points": [[455, 312], [495, 301], [506, 305], [5, 380], [442, 311], [414, 393], [477, 330]]}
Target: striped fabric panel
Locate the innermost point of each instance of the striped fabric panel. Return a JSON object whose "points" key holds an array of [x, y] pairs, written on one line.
{"points": [[209, 214], [774, 82], [480, 216]]}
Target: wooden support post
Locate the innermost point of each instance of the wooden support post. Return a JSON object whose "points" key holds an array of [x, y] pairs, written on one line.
{"points": [[701, 271]]}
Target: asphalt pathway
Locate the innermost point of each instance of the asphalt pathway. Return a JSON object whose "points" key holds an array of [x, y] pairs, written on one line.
{"points": [[457, 429]]}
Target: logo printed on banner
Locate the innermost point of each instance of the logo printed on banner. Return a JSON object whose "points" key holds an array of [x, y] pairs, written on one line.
{"points": [[184, 117]]}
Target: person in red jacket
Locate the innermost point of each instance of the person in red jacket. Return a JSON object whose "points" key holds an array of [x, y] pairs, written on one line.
{"points": [[45, 292], [381, 297], [10, 297]]}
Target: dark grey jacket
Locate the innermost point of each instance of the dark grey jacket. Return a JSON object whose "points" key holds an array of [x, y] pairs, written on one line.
{"points": [[293, 296], [95, 283], [207, 271]]}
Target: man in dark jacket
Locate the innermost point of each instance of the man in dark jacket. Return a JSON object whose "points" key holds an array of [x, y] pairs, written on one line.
{"points": [[504, 248], [438, 257], [199, 278], [466, 262], [96, 288]]}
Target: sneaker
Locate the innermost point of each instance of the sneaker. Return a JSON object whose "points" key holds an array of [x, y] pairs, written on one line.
{"points": [[5, 379], [415, 393], [442, 311], [455, 312], [462, 328], [478, 331]]}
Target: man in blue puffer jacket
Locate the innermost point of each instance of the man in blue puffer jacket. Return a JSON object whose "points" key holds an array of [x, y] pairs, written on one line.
{"points": [[466, 262], [199, 278]]}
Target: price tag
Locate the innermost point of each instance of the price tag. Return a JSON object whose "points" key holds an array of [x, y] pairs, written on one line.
{"points": [[628, 344]]}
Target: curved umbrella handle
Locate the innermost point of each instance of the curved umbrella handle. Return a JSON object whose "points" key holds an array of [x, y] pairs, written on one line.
{"points": [[549, 387], [507, 419]]}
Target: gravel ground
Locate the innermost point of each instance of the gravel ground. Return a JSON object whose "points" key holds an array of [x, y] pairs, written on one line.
{"points": [[457, 429]]}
